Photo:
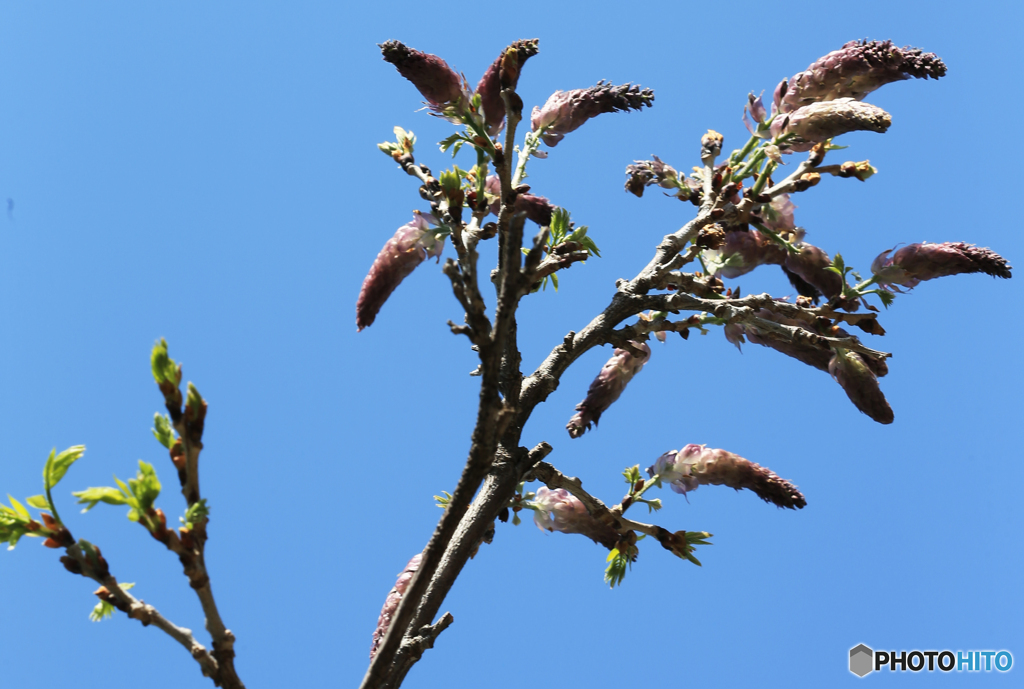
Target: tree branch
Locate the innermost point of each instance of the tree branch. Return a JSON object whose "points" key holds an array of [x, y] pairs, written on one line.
{"points": [[95, 568]]}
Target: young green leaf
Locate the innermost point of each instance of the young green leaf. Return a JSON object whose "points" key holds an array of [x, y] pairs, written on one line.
{"points": [[196, 513], [145, 486], [20, 509], [194, 399], [618, 564], [39, 502], [164, 368], [90, 497], [103, 609], [57, 465], [163, 431]]}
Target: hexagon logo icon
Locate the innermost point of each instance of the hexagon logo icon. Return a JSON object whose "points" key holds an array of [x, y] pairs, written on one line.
{"points": [[861, 660]]}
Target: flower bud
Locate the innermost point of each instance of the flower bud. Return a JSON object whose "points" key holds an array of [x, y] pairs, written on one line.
{"points": [[392, 601], [490, 85], [862, 170], [710, 145], [566, 111], [820, 121], [854, 71], [644, 173], [754, 109], [915, 263], [861, 385], [607, 387], [411, 245], [697, 465], [438, 83], [559, 510]]}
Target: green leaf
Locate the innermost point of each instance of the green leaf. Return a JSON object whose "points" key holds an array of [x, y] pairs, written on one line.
{"points": [[163, 431], [618, 564], [559, 226], [103, 609], [196, 513], [554, 280], [164, 368], [90, 497], [145, 487], [57, 465], [20, 509], [39, 502], [443, 500], [447, 142]]}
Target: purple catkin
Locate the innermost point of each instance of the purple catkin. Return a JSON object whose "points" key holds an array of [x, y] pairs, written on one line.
{"points": [[746, 250], [412, 244], [607, 387], [566, 111], [438, 83], [860, 384], [698, 465], [489, 87], [916, 263], [820, 121], [854, 71], [559, 510], [808, 354], [811, 266], [392, 601]]}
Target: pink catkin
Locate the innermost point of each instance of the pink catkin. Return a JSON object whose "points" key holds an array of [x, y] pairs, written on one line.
{"points": [[392, 601], [412, 244]]}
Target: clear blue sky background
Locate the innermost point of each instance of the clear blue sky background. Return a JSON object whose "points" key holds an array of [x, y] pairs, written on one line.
{"points": [[208, 173]]}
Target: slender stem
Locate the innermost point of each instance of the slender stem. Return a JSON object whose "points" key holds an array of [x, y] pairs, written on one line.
{"points": [[743, 152], [762, 179], [53, 507], [531, 142]]}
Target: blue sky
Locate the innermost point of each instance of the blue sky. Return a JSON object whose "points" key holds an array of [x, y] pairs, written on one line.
{"points": [[209, 174]]}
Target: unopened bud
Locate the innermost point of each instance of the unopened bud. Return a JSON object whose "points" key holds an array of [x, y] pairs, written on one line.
{"points": [[710, 145]]}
